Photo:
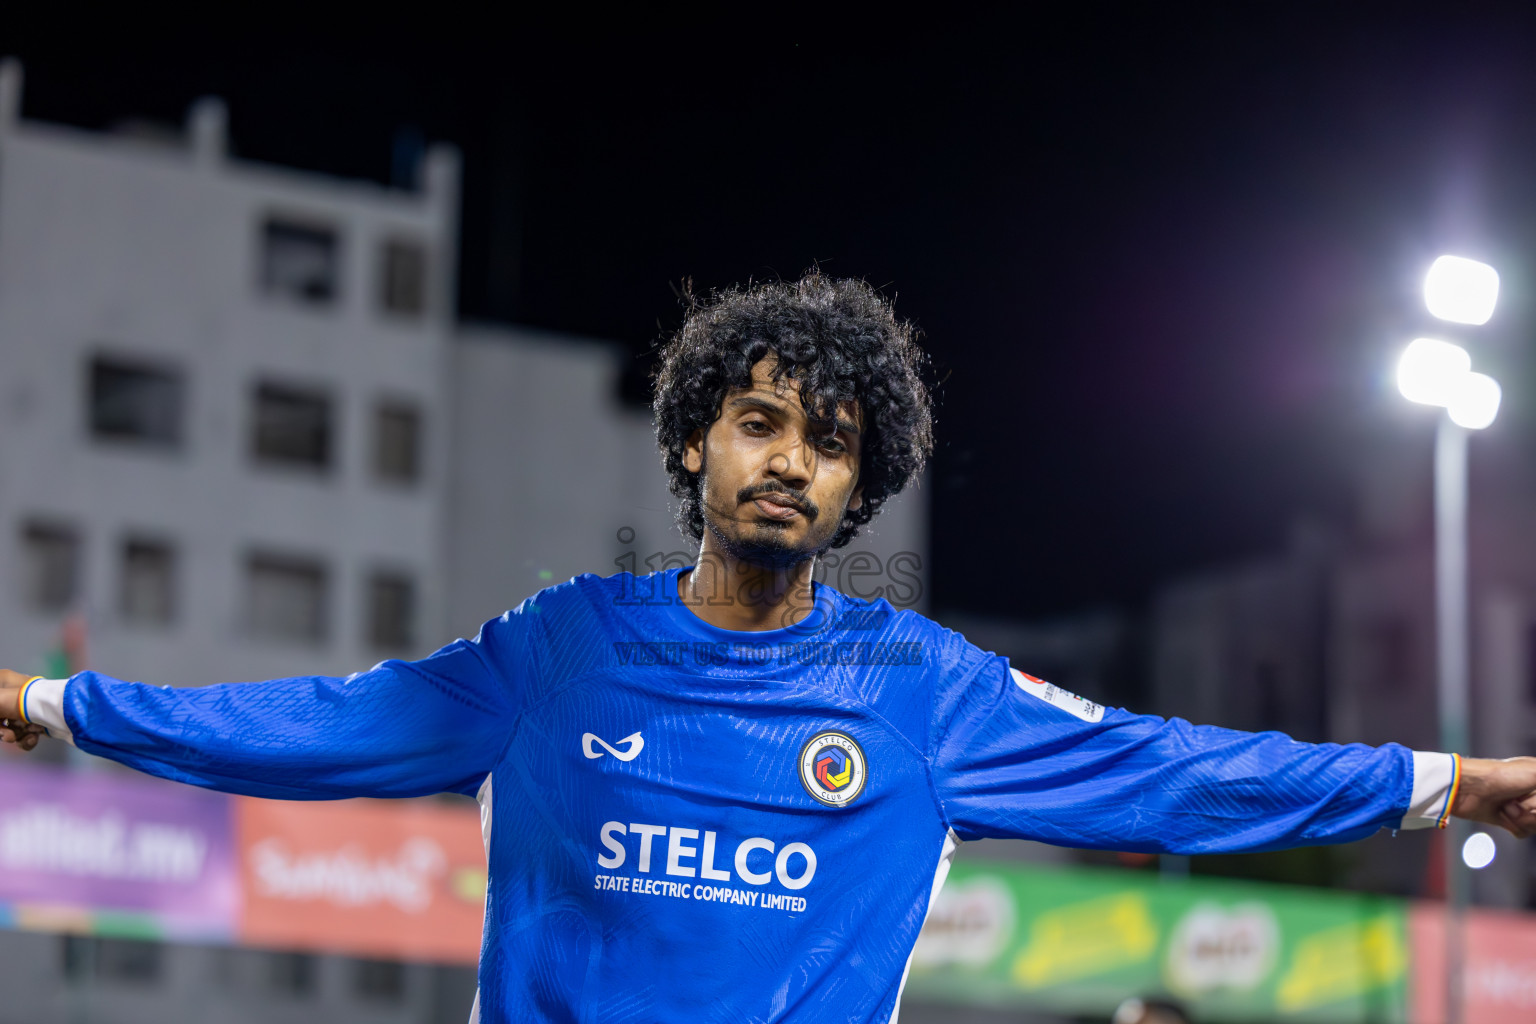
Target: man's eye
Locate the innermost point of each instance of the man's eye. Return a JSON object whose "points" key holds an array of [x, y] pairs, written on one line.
{"points": [[754, 425], [832, 444]]}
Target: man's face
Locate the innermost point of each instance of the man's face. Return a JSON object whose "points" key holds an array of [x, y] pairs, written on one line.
{"points": [[775, 483]]}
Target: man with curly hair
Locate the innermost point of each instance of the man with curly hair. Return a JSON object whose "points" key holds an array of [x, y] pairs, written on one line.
{"points": [[726, 792], [829, 355]]}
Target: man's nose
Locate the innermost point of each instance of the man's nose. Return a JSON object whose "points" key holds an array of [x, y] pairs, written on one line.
{"points": [[792, 463]]}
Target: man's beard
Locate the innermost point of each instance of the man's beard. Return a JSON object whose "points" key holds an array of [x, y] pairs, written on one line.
{"points": [[763, 543], [766, 544]]}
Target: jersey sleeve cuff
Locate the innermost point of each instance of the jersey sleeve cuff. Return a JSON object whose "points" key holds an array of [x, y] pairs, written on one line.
{"points": [[42, 702], [1435, 780]]}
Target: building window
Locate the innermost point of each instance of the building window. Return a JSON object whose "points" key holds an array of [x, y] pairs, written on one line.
{"points": [[148, 593], [397, 442], [135, 402], [383, 980], [292, 426], [286, 598], [391, 611], [87, 958], [259, 972], [50, 565], [293, 973], [300, 261], [403, 277]]}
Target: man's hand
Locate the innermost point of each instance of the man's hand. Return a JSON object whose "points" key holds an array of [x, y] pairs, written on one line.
{"points": [[11, 728], [1499, 793]]}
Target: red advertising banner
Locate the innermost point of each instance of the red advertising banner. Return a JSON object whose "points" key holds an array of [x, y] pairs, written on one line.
{"points": [[368, 878], [1499, 977]]}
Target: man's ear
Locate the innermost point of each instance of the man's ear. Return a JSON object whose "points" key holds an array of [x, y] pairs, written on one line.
{"points": [[693, 452], [857, 499]]}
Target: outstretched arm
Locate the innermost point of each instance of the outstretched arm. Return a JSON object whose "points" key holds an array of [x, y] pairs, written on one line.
{"points": [[399, 729], [1014, 756]]}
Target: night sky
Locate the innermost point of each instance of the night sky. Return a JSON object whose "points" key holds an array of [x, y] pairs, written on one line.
{"points": [[1162, 261]]}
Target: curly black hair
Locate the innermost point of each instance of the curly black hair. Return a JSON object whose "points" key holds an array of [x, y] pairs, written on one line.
{"points": [[839, 339]]}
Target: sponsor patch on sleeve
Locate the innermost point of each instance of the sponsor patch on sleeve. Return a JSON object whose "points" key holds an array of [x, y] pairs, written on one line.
{"points": [[1054, 695]]}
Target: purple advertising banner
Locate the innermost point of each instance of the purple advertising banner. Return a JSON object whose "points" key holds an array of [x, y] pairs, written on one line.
{"points": [[97, 851]]}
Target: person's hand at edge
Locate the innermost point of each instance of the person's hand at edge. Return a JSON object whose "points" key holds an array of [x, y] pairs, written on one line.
{"points": [[1501, 793], [13, 727]]}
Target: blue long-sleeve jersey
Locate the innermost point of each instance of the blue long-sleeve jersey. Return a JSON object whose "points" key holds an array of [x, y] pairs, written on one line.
{"points": [[690, 823]]}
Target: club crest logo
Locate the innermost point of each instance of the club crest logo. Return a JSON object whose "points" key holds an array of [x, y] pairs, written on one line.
{"points": [[833, 769]]}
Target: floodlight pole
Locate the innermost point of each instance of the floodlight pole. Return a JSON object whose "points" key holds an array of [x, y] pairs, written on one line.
{"points": [[1453, 665], [1463, 291]]}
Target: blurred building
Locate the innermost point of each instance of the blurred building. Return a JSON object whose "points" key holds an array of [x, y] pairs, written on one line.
{"points": [[1334, 639], [242, 436], [1097, 652], [226, 394]]}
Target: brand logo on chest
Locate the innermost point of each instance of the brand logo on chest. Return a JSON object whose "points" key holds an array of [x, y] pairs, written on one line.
{"points": [[632, 744]]}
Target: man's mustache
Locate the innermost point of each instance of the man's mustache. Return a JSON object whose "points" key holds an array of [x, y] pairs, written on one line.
{"points": [[797, 499]]}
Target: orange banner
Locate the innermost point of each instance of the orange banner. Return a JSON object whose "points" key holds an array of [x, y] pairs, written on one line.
{"points": [[370, 878]]}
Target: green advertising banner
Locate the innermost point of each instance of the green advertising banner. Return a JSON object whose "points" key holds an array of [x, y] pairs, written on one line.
{"points": [[1079, 940]]}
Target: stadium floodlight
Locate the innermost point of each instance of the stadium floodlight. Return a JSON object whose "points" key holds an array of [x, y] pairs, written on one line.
{"points": [[1475, 402], [1431, 371], [1435, 372], [1460, 290], [1478, 851]]}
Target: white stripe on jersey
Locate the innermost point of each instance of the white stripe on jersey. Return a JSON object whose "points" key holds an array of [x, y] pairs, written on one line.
{"points": [[940, 873]]}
